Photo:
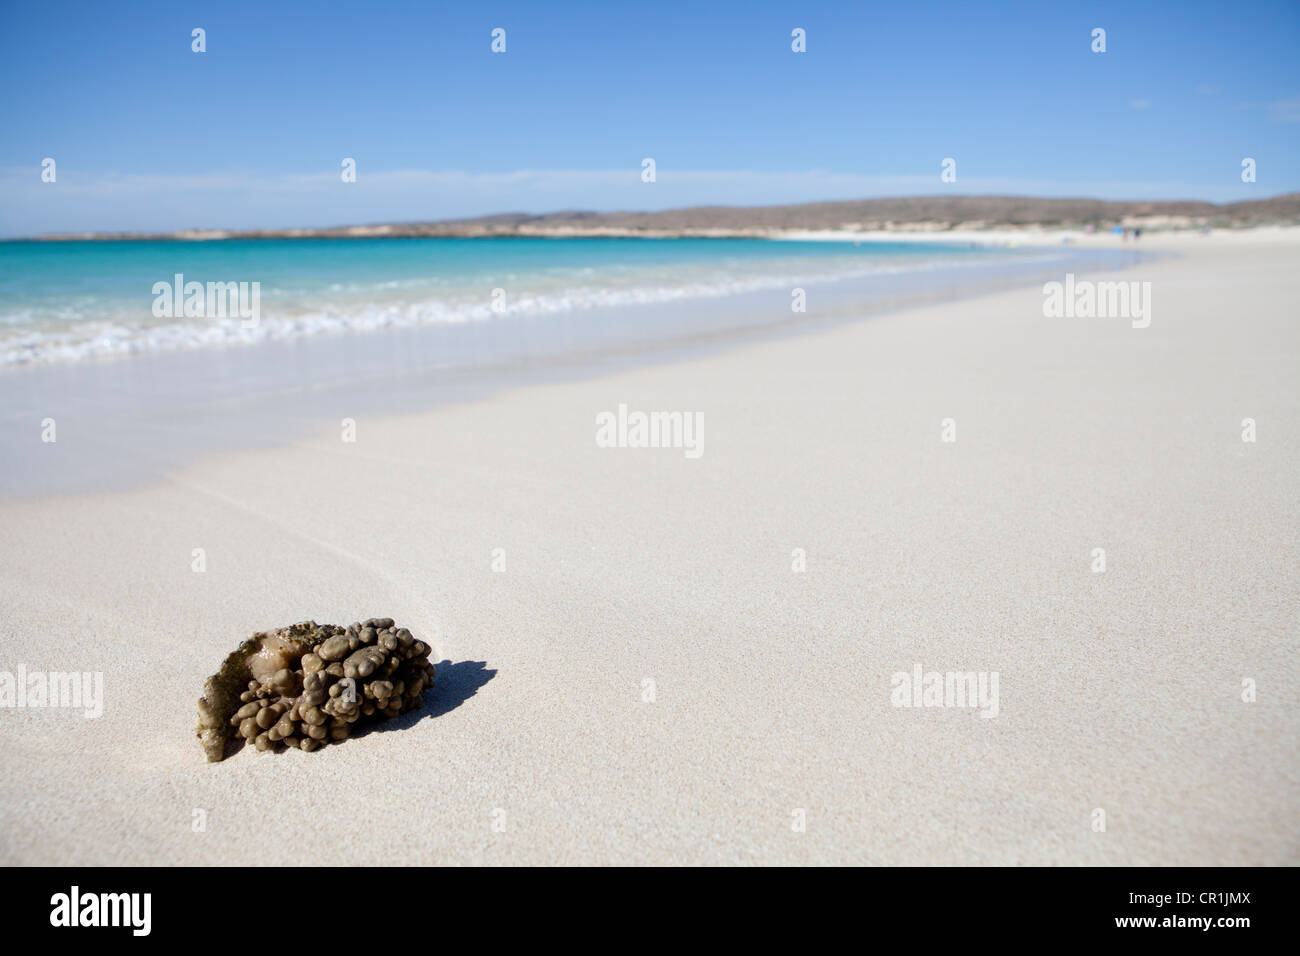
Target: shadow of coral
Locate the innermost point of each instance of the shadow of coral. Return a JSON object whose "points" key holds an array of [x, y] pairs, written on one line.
{"points": [[453, 685]]}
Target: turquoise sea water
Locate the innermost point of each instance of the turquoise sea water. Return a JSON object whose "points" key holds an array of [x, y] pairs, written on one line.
{"points": [[66, 302]]}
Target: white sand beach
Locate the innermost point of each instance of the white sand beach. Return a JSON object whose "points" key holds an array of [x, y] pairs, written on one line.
{"points": [[633, 574]]}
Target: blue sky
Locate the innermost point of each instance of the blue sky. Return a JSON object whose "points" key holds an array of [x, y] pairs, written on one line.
{"points": [[147, 134]]}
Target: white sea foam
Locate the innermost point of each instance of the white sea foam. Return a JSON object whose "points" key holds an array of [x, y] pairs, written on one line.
{"points": [[289, 314]]}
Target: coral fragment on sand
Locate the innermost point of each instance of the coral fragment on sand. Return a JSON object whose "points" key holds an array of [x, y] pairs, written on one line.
{"points": [[307, 685]]}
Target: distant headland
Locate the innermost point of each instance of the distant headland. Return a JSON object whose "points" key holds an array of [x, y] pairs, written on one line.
{"points": [[927, 214]]}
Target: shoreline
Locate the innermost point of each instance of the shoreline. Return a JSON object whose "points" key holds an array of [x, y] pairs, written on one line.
{"points": [[178, 406]]}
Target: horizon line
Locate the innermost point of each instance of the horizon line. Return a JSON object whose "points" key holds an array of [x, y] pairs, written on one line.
{"points": [[561, 215]]}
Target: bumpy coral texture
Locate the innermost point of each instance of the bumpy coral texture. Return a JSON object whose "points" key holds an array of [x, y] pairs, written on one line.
{"points": [[309, 684]]}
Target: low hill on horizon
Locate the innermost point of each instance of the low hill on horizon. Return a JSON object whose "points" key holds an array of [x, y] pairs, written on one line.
{"points": [[904, 214]]}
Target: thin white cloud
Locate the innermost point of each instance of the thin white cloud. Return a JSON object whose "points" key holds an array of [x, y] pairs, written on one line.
{"points": [[83, 201], [1285, 111]]}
